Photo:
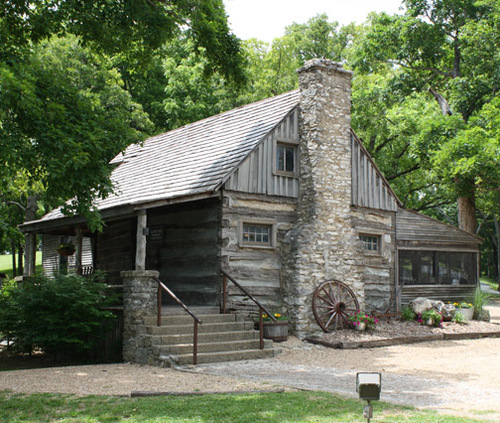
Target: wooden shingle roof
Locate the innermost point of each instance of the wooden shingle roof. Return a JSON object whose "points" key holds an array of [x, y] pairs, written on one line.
{"points": [[193, 159]]}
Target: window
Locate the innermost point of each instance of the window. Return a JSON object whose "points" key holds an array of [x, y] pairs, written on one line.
{"points": [[437, 267], [370, 242], [259, 233], [254, 234], [286, 158]]}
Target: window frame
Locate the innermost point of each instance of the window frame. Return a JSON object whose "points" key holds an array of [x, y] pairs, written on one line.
{"points": [[364, 243], [270, 223], [287, 143]]}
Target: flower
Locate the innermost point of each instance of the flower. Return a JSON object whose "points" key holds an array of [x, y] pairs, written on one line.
{"points": [[277, 316], [356, 318], [463, 304]]}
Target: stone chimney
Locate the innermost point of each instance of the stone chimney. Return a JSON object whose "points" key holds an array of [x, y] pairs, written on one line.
{"points": [[323, 244]]}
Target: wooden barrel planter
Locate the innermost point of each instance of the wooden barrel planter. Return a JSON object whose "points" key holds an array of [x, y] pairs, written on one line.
{"points": [[277, 331]]}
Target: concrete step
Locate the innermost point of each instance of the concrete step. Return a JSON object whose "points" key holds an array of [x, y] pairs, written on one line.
{"points": [[203, 328], [210, 347], [186, 319], [204, 337], [214, 357]]}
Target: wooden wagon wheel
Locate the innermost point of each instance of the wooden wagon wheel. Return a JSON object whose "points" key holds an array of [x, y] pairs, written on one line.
{"points": [[332, 303]]}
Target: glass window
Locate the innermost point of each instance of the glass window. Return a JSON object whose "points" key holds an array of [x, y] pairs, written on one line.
{"points": [[285, 158], [370, 242], [437, 267], [257, 234]]}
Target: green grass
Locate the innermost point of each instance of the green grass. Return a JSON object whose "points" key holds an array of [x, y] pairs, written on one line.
{"points": [[318, 407], [6, 264]]}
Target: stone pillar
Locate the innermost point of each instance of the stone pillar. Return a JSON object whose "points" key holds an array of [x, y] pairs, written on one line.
{"points": [[323, 244], [139, 302]]}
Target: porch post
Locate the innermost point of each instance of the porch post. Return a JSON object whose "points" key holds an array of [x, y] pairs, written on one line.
{"points": [[78, 253], [140, 252], [140, 307]]}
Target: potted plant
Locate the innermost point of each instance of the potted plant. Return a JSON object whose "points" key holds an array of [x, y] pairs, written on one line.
{"points": [[432, 318], [466, 309], [275, 330], [66, 249], [362, 321]]}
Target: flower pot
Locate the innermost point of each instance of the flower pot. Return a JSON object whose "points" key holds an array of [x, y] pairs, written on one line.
{"points": [[430, 322], [360, 326], [277, 331], [468, 313]]}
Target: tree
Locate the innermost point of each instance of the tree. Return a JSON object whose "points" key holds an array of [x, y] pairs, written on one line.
{"points": [[432, 46]]}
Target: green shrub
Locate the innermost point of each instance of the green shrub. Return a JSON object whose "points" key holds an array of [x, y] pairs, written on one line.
{"points": [[479, 300], [63, 315], [408, 313]]}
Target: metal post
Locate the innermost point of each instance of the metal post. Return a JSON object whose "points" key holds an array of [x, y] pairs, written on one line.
{"points": [[195, 342], [159, 299]]}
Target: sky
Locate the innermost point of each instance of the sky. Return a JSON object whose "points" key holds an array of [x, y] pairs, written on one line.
{"points": [[267, 19]]}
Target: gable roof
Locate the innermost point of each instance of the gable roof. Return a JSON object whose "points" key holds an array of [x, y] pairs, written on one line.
{"points": [[193, 159]]}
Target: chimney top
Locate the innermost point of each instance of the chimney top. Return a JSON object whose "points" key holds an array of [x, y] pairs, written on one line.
{"points": [[323, 64]]}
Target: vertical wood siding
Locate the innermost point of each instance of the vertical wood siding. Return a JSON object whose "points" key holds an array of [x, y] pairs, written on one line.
{"points": [[369, 188], [255, 174]]}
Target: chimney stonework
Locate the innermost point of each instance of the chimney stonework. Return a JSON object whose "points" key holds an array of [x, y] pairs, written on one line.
{"points": [[323, 244]]}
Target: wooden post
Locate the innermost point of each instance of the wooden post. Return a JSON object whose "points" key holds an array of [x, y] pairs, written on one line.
{"points": [[78, 250], [140, 254]]}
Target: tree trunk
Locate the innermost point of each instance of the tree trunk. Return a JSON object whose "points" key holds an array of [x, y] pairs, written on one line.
{"points": [[30, 238], [467, 219], [496, 223]]}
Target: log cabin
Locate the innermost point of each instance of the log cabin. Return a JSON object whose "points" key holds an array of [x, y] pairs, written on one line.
{"points": [[282, 196]]}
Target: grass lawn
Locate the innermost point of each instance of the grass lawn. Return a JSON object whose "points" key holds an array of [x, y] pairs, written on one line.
{"points": [[6, 263], [318, 407], [490, 282]]}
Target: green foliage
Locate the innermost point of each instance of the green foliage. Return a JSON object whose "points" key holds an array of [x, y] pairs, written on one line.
{"points": [[432, 315], [63, 315], [479, 300], [408, 314], [298, 407], [458, 317]]}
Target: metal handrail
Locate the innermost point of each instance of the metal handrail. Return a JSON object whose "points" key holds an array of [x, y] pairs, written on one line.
{"points": [[196, 319], [255, 300]]}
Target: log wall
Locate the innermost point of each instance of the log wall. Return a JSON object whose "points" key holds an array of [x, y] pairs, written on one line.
{"points": [[257, 269], [184, 246]]}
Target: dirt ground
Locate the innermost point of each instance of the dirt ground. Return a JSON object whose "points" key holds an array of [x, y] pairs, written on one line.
{"points": [[462, 377]]}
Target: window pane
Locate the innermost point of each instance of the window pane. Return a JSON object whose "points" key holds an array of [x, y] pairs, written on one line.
{"points": [[285, 158], [370, 242], [290, 159], [280, 157]]}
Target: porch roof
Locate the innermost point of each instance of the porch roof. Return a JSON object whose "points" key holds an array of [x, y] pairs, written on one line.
{"points": [[192, 160]]}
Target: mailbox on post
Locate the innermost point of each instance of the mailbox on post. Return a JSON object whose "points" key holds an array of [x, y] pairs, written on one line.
{"points": [[368, 387]]}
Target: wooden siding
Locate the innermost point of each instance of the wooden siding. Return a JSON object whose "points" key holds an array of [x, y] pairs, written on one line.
{"points": [[443, 293], [51, 259], [257, 269], [115, 249], [416, 231], [256, 173], [183, 246], [369, 187]]}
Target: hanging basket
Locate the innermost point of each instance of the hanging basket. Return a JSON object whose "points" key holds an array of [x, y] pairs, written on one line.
{"points": [[66, 251]]}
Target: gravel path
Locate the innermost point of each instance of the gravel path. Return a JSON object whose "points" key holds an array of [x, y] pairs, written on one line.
{"points": [[462, 377]]}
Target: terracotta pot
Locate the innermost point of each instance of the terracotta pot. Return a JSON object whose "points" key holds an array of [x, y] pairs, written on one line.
{"points": [[277, 331]]}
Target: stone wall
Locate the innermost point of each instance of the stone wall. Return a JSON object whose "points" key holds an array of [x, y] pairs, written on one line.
{"points": [[323, 245], [139, 303]]}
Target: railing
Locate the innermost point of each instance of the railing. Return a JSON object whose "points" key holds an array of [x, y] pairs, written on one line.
{"points": [[162, 287], [261, 307]]}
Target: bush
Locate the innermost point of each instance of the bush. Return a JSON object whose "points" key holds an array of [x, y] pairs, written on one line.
{"points": [[408, 314], [62, 316]]}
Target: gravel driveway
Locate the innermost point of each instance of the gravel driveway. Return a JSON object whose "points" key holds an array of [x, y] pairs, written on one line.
{"points": [[462, 377]]}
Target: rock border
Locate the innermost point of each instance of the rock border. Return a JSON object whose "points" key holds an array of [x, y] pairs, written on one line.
{"points": [[403, 340]]}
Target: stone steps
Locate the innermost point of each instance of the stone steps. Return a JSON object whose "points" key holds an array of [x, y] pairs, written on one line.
{"points": [[220, 338]]}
